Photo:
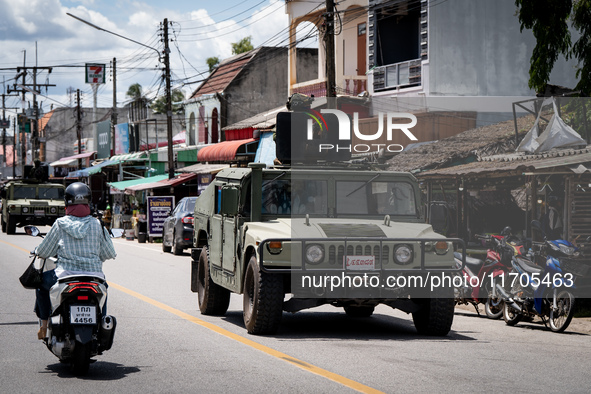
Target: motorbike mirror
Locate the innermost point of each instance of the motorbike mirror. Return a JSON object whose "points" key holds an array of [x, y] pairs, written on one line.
{"points": [[117, 232], [32, 230]]}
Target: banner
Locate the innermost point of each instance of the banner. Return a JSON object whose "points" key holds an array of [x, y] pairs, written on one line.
{"points": [[121, 138], [158, 210]]}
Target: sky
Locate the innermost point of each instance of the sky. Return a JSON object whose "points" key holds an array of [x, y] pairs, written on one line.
{"points": [[39, 32]]}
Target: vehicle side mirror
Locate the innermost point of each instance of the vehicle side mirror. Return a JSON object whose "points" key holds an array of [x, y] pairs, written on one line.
{"points": [[229, 203], [32, 231]]}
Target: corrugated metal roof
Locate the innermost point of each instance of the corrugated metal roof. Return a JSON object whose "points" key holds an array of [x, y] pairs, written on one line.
{"points": [[222, 151], [224, 74]]}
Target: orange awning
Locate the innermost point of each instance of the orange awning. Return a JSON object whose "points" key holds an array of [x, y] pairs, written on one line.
{"points": [[223, 151]]}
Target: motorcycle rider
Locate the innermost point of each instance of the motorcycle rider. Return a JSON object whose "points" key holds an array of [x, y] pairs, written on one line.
{"points": [[81, 244]]}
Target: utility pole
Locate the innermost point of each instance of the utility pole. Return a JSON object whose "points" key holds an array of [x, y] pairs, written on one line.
{"points": [[114, 112], [330, 50], [168, 101], [79, 127]]}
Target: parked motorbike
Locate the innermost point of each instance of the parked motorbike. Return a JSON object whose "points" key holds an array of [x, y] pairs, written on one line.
{"points": [[479, 276], [78, 329], [541, 285]]}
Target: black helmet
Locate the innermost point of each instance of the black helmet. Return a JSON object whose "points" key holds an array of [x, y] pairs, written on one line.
{"points": [[77, 193], [506, 231]]}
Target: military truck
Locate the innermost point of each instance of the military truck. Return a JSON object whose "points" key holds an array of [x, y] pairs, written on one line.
{"points": [[283, 236], [31, 202]]}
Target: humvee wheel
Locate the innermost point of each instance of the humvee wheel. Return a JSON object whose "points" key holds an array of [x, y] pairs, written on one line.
{"points": [[436, 315], [262, 300], [359, 311], [10, 225], [213, 299]]}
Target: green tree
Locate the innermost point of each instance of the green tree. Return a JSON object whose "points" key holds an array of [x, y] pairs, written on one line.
{"points": [[134, 92], [549, 22], [159, 105], [242, 46], [212, 62]]}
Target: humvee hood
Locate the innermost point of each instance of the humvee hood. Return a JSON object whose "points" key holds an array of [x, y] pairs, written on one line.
{"points": [[337, 228]]}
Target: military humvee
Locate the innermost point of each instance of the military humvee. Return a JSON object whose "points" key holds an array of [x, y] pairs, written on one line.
{"points": [[283, 237], [31, 202]]}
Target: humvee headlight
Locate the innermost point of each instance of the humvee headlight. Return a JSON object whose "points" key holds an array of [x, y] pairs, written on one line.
{"points": [[403, 254], [274, 247], [53, 210], [314, 254], [25, 209], [441, 248]]}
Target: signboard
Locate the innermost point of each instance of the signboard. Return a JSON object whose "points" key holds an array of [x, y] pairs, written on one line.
{"points": [[4, 123], [95, 73], [158, 210], [121, 138], [203, 180], [103, 138]]}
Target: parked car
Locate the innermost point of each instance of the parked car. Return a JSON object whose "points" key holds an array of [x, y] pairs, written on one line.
{"points": [[177, 231]]}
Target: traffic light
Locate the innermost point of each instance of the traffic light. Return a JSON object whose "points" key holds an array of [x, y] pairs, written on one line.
{"points": [[24, 126]]}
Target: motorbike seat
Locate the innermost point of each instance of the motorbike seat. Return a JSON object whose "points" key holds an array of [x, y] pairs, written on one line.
{"points": [[81, 278], [528, 266], [472, 263]]}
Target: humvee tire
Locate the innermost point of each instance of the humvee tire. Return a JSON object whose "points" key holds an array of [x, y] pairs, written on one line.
{"points": [[213, 299], [3, 225], [436, 315], [10, 225], [359, 311], [262, 300]]}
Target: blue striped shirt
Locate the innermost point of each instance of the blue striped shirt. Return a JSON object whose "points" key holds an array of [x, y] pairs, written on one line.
{"points": [[81, 244]]}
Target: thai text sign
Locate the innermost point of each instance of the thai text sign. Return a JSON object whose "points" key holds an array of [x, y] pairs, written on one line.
{"points": [[158, 210]]}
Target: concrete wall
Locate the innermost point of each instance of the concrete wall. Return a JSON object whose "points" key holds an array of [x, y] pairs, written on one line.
{"points": [[261, 85], [476, 49]]}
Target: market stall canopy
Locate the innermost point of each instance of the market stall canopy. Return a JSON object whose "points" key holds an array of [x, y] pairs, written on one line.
{"points": [[227, 150], [121, 185], [71, 161], [201, 168], [136, 156], [176, 181], [92, 170]]}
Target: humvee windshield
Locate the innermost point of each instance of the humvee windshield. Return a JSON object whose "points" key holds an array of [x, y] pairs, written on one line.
{"points": [[300, 197], [374, 198], [24, 192], [53, 193], [297, 197]]}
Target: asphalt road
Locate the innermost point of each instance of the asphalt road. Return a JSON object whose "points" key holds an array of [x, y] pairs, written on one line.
{"points": [[164, 345]]}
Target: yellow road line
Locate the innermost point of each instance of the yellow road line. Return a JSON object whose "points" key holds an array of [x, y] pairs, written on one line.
{"points": [[228, 334], [265, 349], [14, 246]]}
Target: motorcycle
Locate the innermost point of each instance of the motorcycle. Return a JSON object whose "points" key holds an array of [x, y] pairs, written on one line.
{"points": [[479, 276], [78, 329], [541, 285]]}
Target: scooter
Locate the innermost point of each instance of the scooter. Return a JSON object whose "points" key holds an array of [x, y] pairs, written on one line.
{"points": [[479, 276], [78, 329], [541, 286]]}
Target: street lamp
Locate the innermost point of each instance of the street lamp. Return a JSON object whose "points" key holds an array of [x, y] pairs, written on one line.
{"points": [[166, 58]]}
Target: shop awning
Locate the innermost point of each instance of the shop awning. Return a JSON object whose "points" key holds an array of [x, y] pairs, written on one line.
{"points": [[136, 156], [133, 182], [92, 170], [177, 180], [201, 168], [227, 150], [70, 161]]}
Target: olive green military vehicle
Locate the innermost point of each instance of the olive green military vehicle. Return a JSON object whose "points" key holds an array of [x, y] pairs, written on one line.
{"points": [[288, 239], [30, 202]]}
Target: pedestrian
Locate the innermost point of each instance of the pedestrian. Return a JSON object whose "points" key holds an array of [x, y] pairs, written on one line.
{"points": [[552, 221]]}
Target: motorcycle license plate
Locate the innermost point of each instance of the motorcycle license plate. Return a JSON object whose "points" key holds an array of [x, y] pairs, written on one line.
{"points": [[82, 314]]}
